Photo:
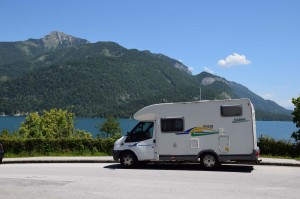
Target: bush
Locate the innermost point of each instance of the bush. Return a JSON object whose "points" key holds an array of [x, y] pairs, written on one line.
{"points": [[270, 146], [46, 147]]}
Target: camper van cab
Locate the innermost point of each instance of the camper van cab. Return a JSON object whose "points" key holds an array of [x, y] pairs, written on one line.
{"points": [[209, 132]]}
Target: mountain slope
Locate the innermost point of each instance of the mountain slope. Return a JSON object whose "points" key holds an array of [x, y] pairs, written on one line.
{"points": [[11, 52], [96, 80], [214, 87]]}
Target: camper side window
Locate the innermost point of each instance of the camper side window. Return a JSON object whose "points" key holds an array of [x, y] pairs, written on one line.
{"points": [[171, 125], [231, 110]]}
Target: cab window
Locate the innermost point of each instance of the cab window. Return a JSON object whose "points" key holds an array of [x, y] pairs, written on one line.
{"points": [[142, 131]]}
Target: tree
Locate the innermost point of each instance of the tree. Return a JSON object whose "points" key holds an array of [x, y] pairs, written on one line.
{"points": [[110, 127], [31, 127], [296, 118], [5, 133], [57, 123]]}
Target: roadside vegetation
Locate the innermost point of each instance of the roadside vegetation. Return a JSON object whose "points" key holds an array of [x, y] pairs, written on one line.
{"points": [[53, 134], [296, 118], [270, 147]]}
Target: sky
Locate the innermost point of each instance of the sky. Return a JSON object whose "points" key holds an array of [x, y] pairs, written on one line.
{"points": [[252, 42]]}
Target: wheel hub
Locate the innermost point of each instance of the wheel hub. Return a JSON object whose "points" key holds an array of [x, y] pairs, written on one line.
{"points": [[209, 161], [128, 160]]}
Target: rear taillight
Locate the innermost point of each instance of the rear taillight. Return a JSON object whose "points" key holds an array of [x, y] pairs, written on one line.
{"points": [[257, 153]]}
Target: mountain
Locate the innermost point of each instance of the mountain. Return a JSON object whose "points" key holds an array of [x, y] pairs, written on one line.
{"points": [[104, 78]]}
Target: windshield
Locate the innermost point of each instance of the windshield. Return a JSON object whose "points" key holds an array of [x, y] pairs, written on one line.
{"points": [[142, 131]]}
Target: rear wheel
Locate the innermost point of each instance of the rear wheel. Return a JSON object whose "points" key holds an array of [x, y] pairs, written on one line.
{"points": [[128, 159], [209, 161]]}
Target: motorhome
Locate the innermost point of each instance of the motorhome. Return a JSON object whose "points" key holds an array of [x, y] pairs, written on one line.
{"points": [[210, 132]]}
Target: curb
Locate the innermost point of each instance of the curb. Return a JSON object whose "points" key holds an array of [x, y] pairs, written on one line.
{"points": [[266, 164], [104, 159], [56, 161], [279, 164]]}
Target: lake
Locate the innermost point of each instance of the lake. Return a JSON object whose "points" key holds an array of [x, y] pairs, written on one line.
{"points": [[275, 129]]}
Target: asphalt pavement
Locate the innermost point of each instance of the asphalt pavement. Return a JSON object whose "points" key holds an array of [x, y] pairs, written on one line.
{"points": [[167, 181], [109, 159]]}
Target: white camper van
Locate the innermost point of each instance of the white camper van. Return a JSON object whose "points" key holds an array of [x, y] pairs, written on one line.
{"points": [[210, 132]]}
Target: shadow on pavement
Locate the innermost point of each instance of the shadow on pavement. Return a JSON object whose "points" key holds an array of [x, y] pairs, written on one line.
{"points": [[187, 167]]}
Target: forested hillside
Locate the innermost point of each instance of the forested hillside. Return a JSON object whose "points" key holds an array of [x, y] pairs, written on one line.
{"points": [[105, 81]]}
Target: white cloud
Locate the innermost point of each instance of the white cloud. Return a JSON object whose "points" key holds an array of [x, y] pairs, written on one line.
{"points": [[206, 69], [287, 104], [191, 68], [232, 60], [268, 96]]}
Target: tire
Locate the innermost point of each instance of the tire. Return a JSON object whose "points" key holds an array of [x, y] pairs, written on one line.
{"points": [[128, 159], [209, 161]]}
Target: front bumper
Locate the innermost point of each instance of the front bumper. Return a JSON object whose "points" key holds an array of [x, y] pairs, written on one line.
{"points": [[116, 155], [1, 155]]}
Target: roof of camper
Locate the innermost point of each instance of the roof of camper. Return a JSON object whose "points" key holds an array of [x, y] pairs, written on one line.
{"points": [[149, 113]]}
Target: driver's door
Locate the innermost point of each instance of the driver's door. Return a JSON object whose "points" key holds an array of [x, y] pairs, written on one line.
{"points": [[143, 139]]}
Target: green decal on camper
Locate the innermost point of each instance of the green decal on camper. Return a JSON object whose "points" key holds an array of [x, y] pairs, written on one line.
{"points": [[199, 131]]}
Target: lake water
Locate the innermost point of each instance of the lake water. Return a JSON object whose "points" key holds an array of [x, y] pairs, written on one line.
{"points": [[274, 129]]}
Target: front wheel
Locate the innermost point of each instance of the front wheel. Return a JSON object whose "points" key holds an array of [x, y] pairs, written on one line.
{"points": [[128, 160], [209, 161]]}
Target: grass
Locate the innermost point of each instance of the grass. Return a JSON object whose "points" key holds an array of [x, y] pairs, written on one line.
{"points": [[68, 154], [279, 157]]}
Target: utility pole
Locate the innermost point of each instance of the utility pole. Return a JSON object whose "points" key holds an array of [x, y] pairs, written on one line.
{"points": [[200, 97]]}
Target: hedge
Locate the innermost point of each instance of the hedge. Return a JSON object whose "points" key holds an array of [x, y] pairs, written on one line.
{"points": [[270, 146], [46, 147]]}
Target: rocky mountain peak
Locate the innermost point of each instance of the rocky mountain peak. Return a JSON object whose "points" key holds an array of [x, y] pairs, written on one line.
{"points": [[210, 79], [59, 40], [182, 67]]}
